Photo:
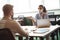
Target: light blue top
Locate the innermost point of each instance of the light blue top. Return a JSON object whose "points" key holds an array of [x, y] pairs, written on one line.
{"points": [[38, 16]]}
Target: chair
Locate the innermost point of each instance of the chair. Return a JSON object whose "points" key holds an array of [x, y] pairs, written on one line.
{"points": [[28, 21], [58, 19], [52, 19], [5, 34], [53, 22]]}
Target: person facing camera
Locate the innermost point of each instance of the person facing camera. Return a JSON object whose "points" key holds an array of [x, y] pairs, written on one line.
{"points": [[8, 22], [42, 13]]}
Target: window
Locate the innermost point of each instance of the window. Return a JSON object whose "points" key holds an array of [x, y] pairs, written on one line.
{"points": [[51, 4], [2, 2], [25, 5], [35, 3], [20, 5]]}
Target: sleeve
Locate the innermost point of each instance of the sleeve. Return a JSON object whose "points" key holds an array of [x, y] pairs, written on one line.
{"points": [[36, 17], [47, 17]]}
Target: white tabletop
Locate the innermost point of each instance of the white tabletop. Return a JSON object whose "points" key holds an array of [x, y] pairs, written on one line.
{"points": [[51, 29], [31, 28]]}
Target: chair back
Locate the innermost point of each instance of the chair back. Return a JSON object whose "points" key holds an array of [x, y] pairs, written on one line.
{"points": [[6, 34]]}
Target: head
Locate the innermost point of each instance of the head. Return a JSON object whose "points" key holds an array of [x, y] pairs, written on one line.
{"points": [[8, 10], [44, 10], [41, 8]]}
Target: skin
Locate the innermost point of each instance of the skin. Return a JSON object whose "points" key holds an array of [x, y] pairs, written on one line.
{"points": [[42, 14], [13, 25], [41, 11]]}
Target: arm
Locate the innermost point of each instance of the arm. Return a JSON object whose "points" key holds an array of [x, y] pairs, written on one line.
{"points": [[46, 14], [19, 29], [47, 17], [36, 17]]}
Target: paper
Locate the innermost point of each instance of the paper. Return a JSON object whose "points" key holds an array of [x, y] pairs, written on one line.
{"points": [[41, 30]]}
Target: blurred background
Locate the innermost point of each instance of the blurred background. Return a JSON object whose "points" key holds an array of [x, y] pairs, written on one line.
{"points": [[30, 7]]}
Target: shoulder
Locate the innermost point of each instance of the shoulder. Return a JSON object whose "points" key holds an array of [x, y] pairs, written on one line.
{"points": [[15, 22], [12, 22], [37, 15], [46, 14]]}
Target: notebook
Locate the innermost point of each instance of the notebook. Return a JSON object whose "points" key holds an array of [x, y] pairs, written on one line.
{"points": [[41, 30], [43, 23]]}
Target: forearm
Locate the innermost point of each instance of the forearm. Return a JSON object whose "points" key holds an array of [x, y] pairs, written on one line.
{"points": [[23, 33]]}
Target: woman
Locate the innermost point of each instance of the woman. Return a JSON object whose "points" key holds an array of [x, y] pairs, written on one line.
{"points": [[42, 13]]}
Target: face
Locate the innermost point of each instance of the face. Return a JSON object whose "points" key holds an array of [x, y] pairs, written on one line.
{"points": [[42, 14], [40, 9], [11, 12]]}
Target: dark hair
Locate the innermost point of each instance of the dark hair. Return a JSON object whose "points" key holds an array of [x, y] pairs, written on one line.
{"points": [[44, 10], [7, 8], [41, 6]]}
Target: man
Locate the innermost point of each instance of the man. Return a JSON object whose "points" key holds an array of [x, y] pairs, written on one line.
{"points": [[8, 22]]}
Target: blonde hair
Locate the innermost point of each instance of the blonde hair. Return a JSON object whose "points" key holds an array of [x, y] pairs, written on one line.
{"points": [[7, 8]]}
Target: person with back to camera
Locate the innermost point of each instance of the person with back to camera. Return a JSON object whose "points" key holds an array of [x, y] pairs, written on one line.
{"points": [[8, 22]]}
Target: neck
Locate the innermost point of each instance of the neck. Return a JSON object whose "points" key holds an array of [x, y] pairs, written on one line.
{"points": [[7, 18]]}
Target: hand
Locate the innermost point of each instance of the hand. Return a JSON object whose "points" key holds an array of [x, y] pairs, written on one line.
{"points": [[27, 34]]}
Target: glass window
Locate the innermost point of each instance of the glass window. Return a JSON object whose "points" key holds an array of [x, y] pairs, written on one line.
{"points": [[20, 5], [51, 4], [2, 2], [35, 3]]}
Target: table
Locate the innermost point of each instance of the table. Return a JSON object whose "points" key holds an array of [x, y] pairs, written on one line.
{"points": [[31, 34]]}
